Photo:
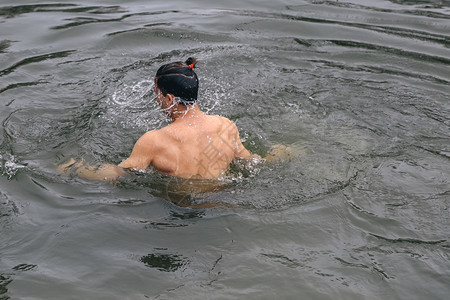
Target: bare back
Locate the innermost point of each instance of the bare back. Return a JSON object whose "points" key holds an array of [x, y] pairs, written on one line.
{"points": [[201, 146]]}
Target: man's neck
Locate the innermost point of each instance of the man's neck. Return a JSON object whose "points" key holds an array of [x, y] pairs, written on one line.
{"points": [[183, 112]]}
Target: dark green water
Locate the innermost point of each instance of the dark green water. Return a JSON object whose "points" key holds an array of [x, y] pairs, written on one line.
{"points": [[360, 88]]}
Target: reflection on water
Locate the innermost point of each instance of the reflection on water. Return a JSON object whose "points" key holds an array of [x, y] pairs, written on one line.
{"points": [[164, 262], [4, 44], [4, 281], [359, 88]]}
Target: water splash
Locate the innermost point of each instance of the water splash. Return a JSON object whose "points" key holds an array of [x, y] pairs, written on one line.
{"points": [[132, 96], [9, 166], [132, 105]]}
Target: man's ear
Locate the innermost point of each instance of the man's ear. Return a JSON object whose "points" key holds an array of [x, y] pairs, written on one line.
{"points": [[170, 99]]}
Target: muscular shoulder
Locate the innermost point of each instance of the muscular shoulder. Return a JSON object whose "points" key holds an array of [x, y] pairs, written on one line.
{"points": [[147, 138], [226, 125], [221, 119], [150, 141], [150, 135], [143, 152]]}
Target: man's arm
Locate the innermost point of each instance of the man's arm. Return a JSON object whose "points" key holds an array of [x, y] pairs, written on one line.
{"points": [[105, 172], [143, 152], [276, 153], [140, 158], [240, 150], [102, 172]]}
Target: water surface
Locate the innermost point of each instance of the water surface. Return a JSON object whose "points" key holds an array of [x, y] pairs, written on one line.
{"points": [[359, 88]]}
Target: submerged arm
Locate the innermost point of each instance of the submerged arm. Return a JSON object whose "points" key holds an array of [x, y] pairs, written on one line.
{"points": [[103, 172]]}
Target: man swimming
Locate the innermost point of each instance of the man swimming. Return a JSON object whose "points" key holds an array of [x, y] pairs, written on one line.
{"points": [[194, 145]]}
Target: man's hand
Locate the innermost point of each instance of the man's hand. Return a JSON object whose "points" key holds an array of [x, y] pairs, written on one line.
{"points": [[67, 167], [279, 152]]}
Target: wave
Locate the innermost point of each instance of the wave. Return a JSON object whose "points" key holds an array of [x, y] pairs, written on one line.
{"points": [[408, 240], [36, 59], [17, 10]]}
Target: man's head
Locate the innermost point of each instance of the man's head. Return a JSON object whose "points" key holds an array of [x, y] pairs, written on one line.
{"points": [[179, 80]]}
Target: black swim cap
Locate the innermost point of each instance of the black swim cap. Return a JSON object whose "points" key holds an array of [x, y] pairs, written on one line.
{"points": [[180, 80]]}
